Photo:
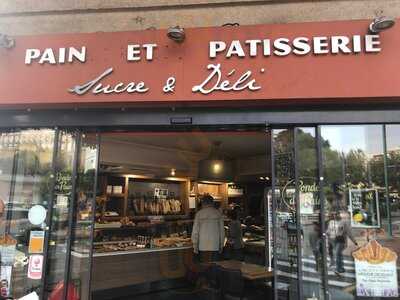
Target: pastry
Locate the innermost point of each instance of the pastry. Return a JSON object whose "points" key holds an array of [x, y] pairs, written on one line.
{"points": [[374, 253]]}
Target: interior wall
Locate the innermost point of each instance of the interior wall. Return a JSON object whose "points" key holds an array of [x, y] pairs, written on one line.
{"points": [[145, 157]]}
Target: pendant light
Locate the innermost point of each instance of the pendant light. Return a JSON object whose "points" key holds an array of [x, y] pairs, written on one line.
{"points": [[216, 167]]}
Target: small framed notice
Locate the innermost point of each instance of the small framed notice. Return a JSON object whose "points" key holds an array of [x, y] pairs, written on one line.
{"points": [[35, 267], [364, 208]]}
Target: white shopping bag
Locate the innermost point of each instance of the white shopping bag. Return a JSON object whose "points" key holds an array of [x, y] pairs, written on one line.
{"points": [[31, 296]]}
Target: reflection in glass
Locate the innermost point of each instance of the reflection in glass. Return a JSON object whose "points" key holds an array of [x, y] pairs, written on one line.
{"points": [[285, 229], [392, 211], [25, 176], [354, 189], [57, 251], [82, 226], [310, 214]]}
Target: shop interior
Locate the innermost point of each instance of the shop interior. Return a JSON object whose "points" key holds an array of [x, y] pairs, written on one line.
{"points": [[150, 187]]}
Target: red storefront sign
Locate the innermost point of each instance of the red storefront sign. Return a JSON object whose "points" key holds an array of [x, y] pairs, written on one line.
{"points": [[270, 63]]}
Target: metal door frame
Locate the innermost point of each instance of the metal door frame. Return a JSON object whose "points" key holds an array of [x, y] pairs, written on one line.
{"points": [[78, 134]]}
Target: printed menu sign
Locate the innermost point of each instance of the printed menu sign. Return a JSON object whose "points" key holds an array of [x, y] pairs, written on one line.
{"points": [[35, 267], [5, 281], [364, 208], [36, 242], [306, 203], [376, 271]]}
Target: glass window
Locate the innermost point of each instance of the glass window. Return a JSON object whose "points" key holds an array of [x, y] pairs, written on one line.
{"points": [[391, 211], [82, 221], [57, 251], [298, 230], [181, 215], [285, 230], [310, 214], [25, 177], [357, 215]]}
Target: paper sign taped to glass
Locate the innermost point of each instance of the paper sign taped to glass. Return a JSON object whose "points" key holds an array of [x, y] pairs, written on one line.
{"points": [[7, 250], [5, 280], [376, 271]]}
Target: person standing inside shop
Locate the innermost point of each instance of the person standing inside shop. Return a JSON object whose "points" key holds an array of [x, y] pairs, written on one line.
{"points": [[208, 234], [235, 236]]}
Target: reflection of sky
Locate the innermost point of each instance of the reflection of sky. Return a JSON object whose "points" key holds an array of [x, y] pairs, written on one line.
{"points": [[393, 137], [352, 137]]}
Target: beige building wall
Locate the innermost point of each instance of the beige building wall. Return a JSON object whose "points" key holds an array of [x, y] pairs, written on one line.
{"points": [[25, 17]]}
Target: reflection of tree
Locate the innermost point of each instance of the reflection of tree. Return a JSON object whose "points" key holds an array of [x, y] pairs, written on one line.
{"points": [[284, 164], [340, 169], [28, 163], [393, 166], [356, 167]]}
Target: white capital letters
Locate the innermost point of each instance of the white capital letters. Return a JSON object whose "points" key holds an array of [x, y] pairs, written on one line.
{"points": [[340, 43], [133, 53], [47, 57], [216, 46], [253, 46], [149, 50], [31, 54], [79, 55], [356, 44], [301, 46], [320, 45], [282, 47], [235, 49], [371, 43]]}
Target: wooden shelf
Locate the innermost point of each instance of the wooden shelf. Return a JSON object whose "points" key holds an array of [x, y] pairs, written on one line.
{"points": [[116, 195], [122, 207]]}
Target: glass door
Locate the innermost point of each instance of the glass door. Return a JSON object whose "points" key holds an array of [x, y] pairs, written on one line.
{"points": [[297, 214], [47, 191], [335, 211], [26, 183], [181, 215], [70, 238]]}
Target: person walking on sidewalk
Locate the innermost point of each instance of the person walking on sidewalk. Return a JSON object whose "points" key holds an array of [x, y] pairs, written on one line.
{"points": [[339, 231]]}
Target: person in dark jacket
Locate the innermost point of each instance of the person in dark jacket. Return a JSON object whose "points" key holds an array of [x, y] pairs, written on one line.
{"points": [[316, 244], [235, 236]]}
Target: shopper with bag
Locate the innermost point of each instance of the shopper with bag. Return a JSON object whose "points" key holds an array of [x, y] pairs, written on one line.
{"points": [[339, 231]]}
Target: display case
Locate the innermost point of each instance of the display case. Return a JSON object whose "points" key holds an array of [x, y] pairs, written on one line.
{"points": [[219, 191], [141, 214]]}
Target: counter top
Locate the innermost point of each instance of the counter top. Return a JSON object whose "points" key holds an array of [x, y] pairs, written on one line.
{"points": [[137, 251]]}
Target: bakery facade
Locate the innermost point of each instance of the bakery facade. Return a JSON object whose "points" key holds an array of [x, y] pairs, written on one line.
{"points": [[113, 142]]}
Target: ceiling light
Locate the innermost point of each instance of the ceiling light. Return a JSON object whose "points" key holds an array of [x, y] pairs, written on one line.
{"points": [[380, 24], [173, 172], [6, 41], [216, 167], [261, 178], [176, 34]]}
